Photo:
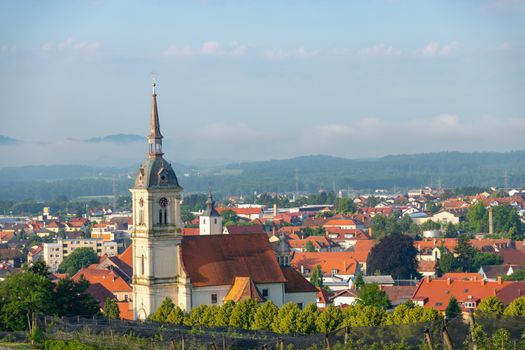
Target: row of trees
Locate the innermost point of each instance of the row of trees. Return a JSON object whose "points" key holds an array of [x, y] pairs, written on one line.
{"points": [[247, 314]]}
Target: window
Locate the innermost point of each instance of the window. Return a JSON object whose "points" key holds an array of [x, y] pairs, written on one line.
{"points": [[142, 265], [300, 305], [126, 297], [334, 271], [215, 221], [265, 292], [204, 221], [214, 298]]}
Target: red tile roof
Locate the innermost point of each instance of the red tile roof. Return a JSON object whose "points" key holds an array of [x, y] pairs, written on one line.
{"points": [[218, 259], [512, 256], [296, 283], [437, 292], [343, 262], [125, 310], [510, 292], [339, 223], [467, 276], [242, 229], [107, 278], [190, 231]]}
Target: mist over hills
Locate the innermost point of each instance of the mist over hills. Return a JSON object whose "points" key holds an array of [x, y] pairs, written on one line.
{"points": [[314, 173]]}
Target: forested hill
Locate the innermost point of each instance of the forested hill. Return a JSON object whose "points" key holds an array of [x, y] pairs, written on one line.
{"points": [[451, 169]]}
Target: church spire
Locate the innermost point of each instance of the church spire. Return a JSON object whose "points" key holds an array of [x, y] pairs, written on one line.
{"points": [[154, 136]]}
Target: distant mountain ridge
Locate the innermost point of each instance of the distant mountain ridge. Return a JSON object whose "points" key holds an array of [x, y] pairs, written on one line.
{"points": [[316, 172], [6, 140], [117, 138]]}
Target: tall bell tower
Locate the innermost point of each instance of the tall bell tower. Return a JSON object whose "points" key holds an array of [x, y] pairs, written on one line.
{"points": [[157, 226]]}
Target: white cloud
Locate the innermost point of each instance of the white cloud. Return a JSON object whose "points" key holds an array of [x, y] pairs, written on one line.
{"points": [[379, 50], [208, 48], [279, 54], [7, 49], [71, 45], [433, 49], [505, 46]]}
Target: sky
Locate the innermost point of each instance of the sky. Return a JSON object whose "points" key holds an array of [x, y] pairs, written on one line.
{"points": [[256, 80]]}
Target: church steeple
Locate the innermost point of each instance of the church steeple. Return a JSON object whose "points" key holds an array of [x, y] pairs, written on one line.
{"points": [[154, 136]]}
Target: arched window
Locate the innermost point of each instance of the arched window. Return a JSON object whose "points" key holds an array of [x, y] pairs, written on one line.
{"points": [[160, 216], [165, 216], [142, 265], [215, 221]]}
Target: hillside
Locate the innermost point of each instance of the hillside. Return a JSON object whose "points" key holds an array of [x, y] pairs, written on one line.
{"points": [[451, 169]]}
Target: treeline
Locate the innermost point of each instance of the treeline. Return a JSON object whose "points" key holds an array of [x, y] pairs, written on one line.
{"points": [[247, 314]]}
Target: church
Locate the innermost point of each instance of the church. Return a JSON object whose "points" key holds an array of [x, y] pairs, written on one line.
{"points": [[210, 268]]}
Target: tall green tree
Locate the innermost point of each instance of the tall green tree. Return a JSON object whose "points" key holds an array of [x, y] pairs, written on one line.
{"points": [[265, 316], [371, 295], [306, 322], [39, 268], [78, 259], [345, 205], [70, 298], [162, 313], [309, 246], [394, 255], [477, 217], [329, 319], [222, 319], [177, 316], [490, 306], [22, 295], [111, 310], [453, 309], [243, 314], [196, 317], [316, 276], [359, 281], [516, 307], [286, 320]]}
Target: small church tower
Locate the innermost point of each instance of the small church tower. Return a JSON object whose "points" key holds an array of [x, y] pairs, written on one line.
{"points": [[157, 226], [210, 222]]}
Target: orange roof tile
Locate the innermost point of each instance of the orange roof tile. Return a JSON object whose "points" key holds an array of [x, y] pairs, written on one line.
{"points": [[125, 311], [296, 283], [107, 278], [243, 288], [436, 293], [343, 262], [342, 222]]}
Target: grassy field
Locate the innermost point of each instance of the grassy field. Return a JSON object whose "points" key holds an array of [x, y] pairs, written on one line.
{"points": [[15, 346]]}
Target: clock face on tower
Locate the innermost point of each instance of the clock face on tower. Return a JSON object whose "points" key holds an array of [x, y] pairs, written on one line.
{"points": [[163, 202]]}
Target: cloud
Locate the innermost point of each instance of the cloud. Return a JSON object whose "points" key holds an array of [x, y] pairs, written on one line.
{"points": [[433, 49], [208, 48], [379, 50], [71, 45], [279, 54], [505, 46]]}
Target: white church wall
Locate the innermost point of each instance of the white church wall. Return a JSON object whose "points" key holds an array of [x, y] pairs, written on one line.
{"points": [[302, 298], [203, 295], [275, 292]]}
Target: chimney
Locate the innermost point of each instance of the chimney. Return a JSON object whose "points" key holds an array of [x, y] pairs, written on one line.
{"points": [[344, 265], [482, 281], [491, 224], [427, 279], [274, 210], [449, 281], [499, 280], [370, 232], [302, 269]]}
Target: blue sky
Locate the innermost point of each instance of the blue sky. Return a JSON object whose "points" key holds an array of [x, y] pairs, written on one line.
{"points": [[242, 80]]}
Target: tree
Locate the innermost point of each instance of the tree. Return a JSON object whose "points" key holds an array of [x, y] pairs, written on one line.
{"points": [[359, 282], [518, 275], [229, 216], [164, 310], [243, 314], [306, 320], [111, 310], [309, 246], [394, 255], [22, 295], [70, 298], [196, 316], [316, 277], [385, 225], [345, 205], [286, 320], [490, 306], [222, 319], [176, 316], [265, 315], [39, 268], [363, 316], [507, 221], [453, 310], [516, 307], [208, 316], [329, 319], [78, 259], [466, 254], [371, 295], [477, 217]]}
